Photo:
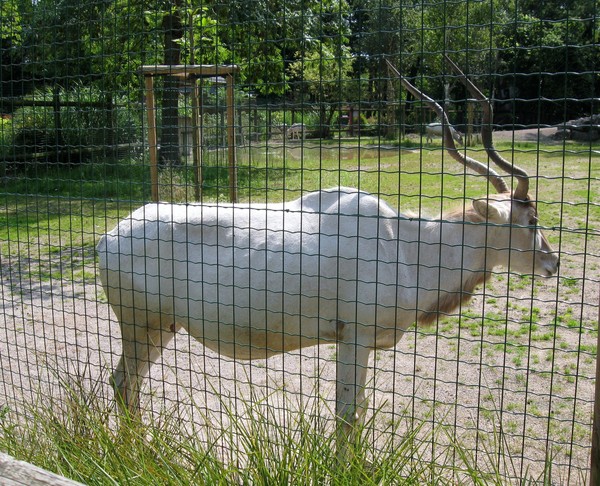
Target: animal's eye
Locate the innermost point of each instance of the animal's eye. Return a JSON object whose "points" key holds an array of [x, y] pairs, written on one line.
{"points": [[533, 222]]}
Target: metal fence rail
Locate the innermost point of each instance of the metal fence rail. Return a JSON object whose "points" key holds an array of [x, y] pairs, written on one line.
{"points": [[293, 100]]}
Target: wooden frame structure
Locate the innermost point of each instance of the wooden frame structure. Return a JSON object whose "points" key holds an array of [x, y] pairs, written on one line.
{"points": [[193, 73]]}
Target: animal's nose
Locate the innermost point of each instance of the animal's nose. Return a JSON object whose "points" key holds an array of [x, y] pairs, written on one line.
{"points": [[552, 264]]}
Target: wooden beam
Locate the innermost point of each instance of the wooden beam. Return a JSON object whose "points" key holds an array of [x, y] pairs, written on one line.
{"points": [[202, 70], [20, 473], [197, 140]]}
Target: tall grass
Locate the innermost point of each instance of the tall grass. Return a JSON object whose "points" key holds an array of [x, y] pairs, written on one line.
{"points": [[74, 431]]}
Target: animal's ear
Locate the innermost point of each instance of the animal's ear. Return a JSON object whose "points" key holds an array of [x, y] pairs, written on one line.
{"points": [[492, 211]]}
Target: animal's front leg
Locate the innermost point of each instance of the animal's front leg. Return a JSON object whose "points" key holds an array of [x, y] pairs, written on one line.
{"points": [[351, 370]]}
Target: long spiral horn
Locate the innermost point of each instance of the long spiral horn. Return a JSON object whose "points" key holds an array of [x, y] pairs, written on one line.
{"points": [[522, 190], [467, 161]]}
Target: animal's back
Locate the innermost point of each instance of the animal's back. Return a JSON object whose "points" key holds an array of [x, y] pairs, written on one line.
{"points": [[248, 273]]}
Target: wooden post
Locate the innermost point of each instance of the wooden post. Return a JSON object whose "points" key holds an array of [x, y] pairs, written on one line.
{"points": [[58, 142], [470, 122], [595, 467], [195, 71], [197, 140], [231, 140], [152, 140]]}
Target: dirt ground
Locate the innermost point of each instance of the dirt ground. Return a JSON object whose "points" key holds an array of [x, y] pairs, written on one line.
{"points": [[524, 372], [542, 135], [545, 135]]}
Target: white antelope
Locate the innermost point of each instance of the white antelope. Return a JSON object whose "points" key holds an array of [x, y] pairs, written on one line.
{"points": [[437, 130], [335, 266], [296, 131]]}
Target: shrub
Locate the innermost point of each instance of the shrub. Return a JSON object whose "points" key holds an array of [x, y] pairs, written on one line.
{"points": [[87, 121]]}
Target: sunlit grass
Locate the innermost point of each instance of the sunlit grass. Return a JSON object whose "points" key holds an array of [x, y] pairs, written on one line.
{"points": [[408, 178], [75, 432]]}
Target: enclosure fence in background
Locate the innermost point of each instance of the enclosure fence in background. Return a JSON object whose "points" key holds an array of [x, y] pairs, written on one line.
{"points": [[374, 296]]}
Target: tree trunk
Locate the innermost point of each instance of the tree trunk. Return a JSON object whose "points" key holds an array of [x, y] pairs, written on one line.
{"points": [[325, 117], [391, 128]]}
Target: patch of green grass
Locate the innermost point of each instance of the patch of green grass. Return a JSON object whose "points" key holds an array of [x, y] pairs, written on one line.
{"points": [[570, 282], [542, 336], [53, 238], [569, 320], [520, 282], [125, 179], [591, 349]]}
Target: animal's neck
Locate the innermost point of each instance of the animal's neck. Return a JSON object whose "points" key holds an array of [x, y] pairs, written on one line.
{"points": [[453, 260]]}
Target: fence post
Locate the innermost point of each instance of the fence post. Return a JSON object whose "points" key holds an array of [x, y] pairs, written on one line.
{"points": [[231, 139], [58, 131], [152, 140], [197, 138], [595, 468]]}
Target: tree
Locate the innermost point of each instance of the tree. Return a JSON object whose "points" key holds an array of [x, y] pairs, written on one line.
{"points": [[169, 32], [383, 29], [546, 47], [528, 47], [322, 67], [300, 47], [172, 28], [325, 75], [11, 41], [59, 45]]}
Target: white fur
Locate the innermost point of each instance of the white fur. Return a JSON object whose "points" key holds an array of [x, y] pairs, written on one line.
{"points": [[339, 265], [296, 131], [436, 130]]}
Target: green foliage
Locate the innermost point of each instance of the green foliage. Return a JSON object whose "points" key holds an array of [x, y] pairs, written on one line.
{"points": [[129, 39], [202, 42], [325, 74], [61, 39], [11, 28], [104, 43], [551, 48], [87, 120]]}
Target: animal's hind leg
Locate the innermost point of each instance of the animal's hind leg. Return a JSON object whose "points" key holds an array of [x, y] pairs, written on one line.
{"points": [[143, 342]]}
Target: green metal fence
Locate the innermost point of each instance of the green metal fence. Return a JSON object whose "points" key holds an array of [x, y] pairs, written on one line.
{"points": [[107, 106]]}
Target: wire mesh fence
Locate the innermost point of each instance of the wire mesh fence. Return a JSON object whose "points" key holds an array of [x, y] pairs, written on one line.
{"points": [[330, 279]]}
